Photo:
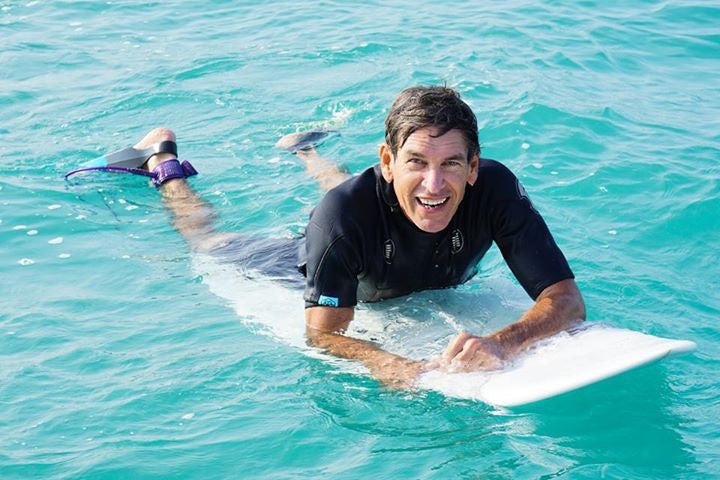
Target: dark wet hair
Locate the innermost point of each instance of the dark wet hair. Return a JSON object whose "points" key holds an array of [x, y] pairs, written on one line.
{"points": [[438, 107]]}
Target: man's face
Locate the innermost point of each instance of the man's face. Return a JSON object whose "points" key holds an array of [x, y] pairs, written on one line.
{"points": [[429, 175]]}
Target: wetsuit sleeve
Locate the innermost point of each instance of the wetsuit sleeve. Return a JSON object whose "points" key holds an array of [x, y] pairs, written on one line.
{"points": [[333, 260], [525, 241]]}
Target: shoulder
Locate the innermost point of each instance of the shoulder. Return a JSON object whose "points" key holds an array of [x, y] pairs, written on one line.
{"points": [[359, 186], [493, 173], [353, 202], [496, 182]]}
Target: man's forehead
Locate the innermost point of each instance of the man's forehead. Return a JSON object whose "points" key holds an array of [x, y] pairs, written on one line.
{"points": [[425, 141]]}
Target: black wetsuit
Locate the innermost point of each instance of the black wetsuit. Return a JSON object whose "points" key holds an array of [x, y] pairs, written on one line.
{"points": [[361, 247]]}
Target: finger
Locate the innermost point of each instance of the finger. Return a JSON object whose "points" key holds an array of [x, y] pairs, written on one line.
{"points": [[469, 350], [467, 359], [481, 360], [435, 363], [455, 346]]}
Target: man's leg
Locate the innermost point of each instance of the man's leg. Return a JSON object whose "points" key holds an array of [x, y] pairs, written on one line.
{"points": [[327, 173], [192, 216]]}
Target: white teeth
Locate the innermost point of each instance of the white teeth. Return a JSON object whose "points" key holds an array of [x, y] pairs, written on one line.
{"points": [[432, 203]]}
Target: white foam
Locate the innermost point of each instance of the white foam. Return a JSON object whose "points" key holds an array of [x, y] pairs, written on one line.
{"points": [[258, 301], [56, 241], [64, 255], [20, 227], [54, 206], [188, 416], [525, 145], [32, 232]]}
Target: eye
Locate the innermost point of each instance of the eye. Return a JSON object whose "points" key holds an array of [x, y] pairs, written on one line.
{"points": [[453, 163]]}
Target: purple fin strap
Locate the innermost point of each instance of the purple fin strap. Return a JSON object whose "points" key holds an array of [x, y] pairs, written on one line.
{"points": [[170, 169], [163, 172], [134, 171]]}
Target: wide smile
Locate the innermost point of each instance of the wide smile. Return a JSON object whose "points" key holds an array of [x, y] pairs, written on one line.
{"points": [[431, 203]]}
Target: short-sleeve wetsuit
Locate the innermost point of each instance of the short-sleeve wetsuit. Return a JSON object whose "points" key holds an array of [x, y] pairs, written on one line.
{"points": [[361, 247]]}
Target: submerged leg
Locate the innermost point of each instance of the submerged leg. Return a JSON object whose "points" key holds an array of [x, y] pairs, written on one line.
{"points": [[326, 172], [192, 216]]}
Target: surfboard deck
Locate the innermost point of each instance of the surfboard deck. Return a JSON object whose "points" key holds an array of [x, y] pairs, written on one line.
{"points": [[560, 364]]}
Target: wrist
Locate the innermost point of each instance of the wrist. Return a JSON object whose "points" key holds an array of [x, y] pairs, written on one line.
{"points": [[494, 345]]}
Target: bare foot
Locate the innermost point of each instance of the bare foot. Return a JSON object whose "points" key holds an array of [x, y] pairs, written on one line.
{"points": [[301, 141], [156, 135]]}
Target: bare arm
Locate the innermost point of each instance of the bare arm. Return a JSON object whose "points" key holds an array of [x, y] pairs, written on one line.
{"points": [[325, 327], [557, 308]]}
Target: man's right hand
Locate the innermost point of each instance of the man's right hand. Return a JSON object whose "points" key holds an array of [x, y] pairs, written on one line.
{"points": [[324, 329]]}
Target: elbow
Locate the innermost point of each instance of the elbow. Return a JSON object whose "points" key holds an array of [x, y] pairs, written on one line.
{"points": [[576, 306], [573, 301], [567, 300], [579, 313], [323, 324], [315, 338], [321, 337]]}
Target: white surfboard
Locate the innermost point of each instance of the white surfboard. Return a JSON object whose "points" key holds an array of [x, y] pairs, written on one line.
{"points": [[557, 365]]}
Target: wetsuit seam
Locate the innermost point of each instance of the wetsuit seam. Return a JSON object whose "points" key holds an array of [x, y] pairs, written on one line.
{"points": [[324, 256]]}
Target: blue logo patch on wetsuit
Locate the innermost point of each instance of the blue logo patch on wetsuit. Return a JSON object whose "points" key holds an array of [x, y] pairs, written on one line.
{"points": [[328, 301]]}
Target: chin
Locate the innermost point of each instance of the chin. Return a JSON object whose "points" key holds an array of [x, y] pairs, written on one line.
{"points": [[431, 227]]}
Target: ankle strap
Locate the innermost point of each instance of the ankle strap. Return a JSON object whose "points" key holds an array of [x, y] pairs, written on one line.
{"points": [[170, 169]]}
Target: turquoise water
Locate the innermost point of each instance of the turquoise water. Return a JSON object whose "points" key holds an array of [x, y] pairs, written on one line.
{"points": [[118, 361]]}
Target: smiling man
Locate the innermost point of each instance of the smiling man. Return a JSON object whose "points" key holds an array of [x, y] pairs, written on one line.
{"points": [[422, 219]]}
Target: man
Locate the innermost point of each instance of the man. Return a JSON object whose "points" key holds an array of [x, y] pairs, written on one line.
{"points": [[423, 218]]}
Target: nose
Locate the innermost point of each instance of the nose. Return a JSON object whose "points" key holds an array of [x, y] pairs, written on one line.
{"points": [[433, 181]]}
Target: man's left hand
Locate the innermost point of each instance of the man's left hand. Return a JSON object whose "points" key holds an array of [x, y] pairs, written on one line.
{"points": [[467, 353]]}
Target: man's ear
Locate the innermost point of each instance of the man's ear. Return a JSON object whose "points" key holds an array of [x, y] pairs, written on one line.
{"points": [[386, 159], [473, 174]]}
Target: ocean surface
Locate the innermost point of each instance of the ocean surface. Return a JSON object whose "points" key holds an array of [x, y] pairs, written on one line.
{"points": [[123, 355]]}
